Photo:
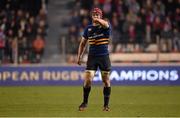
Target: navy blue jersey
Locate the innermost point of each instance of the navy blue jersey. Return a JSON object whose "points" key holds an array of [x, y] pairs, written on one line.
{"points": [[98, 39]]}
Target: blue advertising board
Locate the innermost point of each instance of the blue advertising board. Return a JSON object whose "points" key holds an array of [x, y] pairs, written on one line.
{"points": [[73, 75]]}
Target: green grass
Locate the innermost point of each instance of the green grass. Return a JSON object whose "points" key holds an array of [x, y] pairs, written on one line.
{"points": [[47, 101]]}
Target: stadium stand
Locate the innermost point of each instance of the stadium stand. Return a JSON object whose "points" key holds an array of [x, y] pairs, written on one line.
{"points": [[23, 28], [139, 26], [148, 27]]}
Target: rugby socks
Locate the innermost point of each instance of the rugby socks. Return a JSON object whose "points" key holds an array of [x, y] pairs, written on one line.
{"points": [[106, 92], [86, 91]]}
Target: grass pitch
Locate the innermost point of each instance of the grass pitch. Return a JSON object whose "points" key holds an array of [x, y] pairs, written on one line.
{"points": [[62, 101]]}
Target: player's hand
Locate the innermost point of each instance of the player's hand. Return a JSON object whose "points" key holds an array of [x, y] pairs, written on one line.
{"points": [[95, 19], [79, 61]]}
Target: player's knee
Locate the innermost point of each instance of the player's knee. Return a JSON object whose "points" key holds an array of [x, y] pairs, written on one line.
{"points": [[106, 82], [105, 78], [87, 83], [105, 75], [89, 74]]}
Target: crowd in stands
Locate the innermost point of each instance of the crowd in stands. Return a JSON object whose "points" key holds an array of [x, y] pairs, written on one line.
{"points": [[135, 23], [23, 28]]}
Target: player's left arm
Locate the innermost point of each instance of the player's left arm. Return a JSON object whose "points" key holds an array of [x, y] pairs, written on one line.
{"points": [[81, 49], [102, 22]]}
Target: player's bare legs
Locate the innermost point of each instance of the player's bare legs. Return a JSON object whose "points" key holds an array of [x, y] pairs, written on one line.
{"points": [[89, 74], [106, 90]]}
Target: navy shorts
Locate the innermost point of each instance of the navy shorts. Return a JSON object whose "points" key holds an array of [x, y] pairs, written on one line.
{"points": [[101, 62]]}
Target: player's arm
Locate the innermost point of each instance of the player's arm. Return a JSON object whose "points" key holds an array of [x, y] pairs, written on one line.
{"points": [[82, 47], [102, 22]]}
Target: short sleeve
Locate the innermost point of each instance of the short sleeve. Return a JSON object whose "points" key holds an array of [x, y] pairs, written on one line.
{"points": [[85, 34], [110, 30], [109, 26]]}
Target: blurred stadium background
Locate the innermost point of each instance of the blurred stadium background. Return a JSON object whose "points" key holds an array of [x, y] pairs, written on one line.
{"points": [[42, 31], [38, 45]]}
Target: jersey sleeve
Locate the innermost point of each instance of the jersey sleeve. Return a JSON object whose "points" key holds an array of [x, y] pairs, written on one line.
{"points": [[85, 34], [109, 26], [109, 30]]}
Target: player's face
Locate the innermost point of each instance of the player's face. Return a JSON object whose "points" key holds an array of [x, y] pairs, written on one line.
{"points": [[96, 15]]}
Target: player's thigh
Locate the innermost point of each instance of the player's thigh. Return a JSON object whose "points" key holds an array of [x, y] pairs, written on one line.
{"points": [[91, 63], [104, 63]]}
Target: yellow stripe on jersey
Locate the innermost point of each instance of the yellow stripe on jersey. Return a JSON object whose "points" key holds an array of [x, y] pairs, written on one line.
{"points": [[98, 41], [91, 40], [103, 39], [91, 43]]}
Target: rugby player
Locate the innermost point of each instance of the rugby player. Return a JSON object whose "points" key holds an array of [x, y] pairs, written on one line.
{"points": [[97, 35]]}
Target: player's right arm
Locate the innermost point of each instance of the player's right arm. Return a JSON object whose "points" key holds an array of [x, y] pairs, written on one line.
{"points": [[82, 47], [102, 22]]}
